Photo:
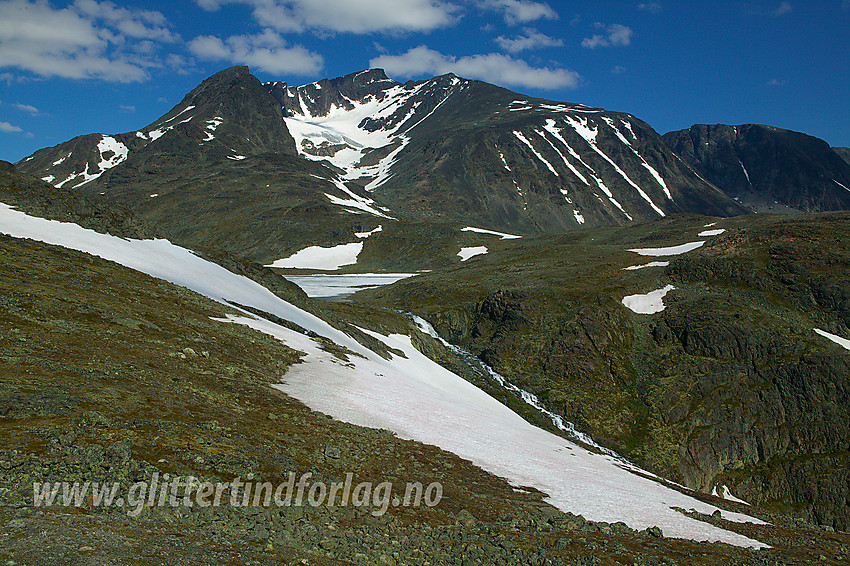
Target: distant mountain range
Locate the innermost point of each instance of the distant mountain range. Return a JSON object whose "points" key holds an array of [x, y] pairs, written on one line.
{"points": [[445, 150], [226, 168], [763, 166]]}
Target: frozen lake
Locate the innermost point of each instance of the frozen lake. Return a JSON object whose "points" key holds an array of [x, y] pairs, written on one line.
{"points": [[325, 286]]}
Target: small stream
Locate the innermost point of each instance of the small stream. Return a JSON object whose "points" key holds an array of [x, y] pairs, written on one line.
{"points": [[481, 368]]}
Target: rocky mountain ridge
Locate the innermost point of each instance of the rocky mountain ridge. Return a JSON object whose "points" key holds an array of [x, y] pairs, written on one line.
{"points": [[454, 149], [843, 152]]}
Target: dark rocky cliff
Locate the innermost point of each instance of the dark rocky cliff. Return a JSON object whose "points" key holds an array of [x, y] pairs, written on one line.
{"points": [[763, 165]]}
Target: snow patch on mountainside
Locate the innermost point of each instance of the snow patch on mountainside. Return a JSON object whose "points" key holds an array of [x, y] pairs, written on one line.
{"points": [[649, 303], [325, 259], [843, 342], [672, 250], [354, 200], [111, 152], [580, 125], [471, 251], [211, 127], [727, 495], [384, 394], [524, 140], [746, 174], [491, 232], [109, 145], [551, 127], [646, 165]]}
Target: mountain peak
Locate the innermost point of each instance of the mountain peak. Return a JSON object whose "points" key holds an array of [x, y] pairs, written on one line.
{"points": [[222, 82]]}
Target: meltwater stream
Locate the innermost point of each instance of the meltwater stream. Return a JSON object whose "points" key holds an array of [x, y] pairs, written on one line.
{"points": [[530, 398]]}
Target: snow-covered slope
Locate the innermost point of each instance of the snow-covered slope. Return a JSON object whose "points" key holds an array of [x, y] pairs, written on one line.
{"points": [[360, 123], [391, 394]]}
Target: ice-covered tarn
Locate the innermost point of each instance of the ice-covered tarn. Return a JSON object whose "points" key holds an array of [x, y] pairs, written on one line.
{"points": [[323, 286], [645, 265], [409, 394]]}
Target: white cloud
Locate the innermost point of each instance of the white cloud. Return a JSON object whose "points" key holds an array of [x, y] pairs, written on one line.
{"points": [[520, 11], [139, 24], [267, 51], [784, 8], [179, 64], [617, 35], [127, 107], [531, 40], [8, 128], [355, 16], [775, 82], [492, 67], [618, 70], [87, 39], [651, 7], [27, 108]]}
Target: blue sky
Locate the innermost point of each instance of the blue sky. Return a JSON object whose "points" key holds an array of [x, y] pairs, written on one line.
{"points": [[71, 68]]}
